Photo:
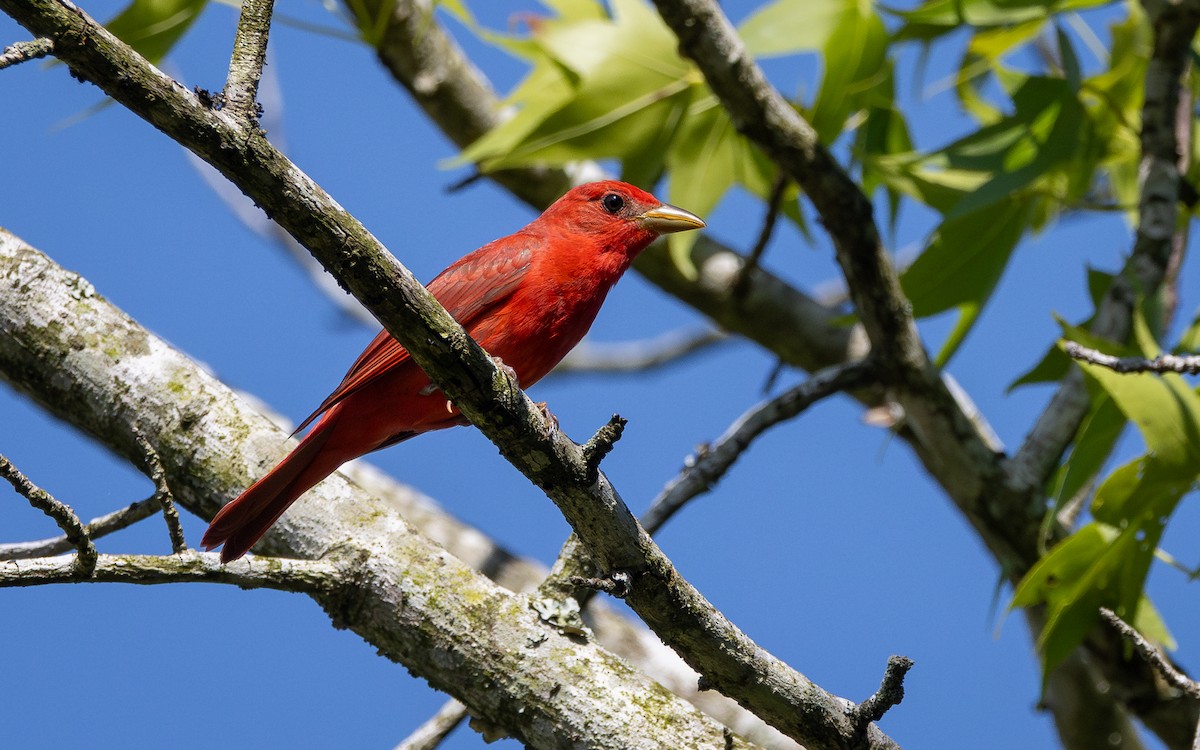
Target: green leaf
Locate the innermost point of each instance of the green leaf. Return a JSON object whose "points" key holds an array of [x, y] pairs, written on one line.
{"points": [[1189, 342], [598, 88], [983, 59], [1054, 365], [1096, 566], [1165, 410], [1151, 625], [1142, 490], [1043, 133], [707, 158], [1090, 451], [965, 258], [924, 178], [152, 27], [1070, 62], [1105, 563], [935, 18], [602, 87], [968, 313], [1051, 368], [786, 27], [854, 60]]}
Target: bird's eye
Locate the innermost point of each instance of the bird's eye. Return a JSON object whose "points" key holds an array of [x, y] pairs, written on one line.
{"points": [[612, 202]]}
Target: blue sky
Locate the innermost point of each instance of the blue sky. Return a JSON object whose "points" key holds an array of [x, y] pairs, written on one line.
{"points": [[827, 543]]}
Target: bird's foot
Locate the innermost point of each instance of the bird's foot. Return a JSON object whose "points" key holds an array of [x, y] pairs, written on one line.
{"points": [[511, 372], [551, 420]]}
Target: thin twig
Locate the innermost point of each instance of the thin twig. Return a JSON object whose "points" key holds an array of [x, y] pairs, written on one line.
{"points": [[249, 55], [774, 204], [162, 492], [705, 469], [1162, 363], [1152, 655], [15, 54], [601, 444], [890, 693], [97, 528], [62, 514], [430, 734]]}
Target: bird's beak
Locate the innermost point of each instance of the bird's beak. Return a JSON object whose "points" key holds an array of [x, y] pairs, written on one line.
{"points": [[665, 219]]}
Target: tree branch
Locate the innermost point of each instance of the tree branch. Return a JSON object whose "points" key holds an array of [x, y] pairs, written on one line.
{"points": [[1152, 655], [96, 528], [15, 54], [774, 205], [303, 576], [1162, 363], [706, 469], [61, 513], [890, 692], [246, 62], [430, 734], [162, 492], [955, 450]]}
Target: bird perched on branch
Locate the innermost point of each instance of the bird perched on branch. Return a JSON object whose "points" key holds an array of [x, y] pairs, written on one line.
{"points": [[527, 298]]}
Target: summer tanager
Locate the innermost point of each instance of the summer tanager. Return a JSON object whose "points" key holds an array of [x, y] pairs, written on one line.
{"points": [[527, 299]]}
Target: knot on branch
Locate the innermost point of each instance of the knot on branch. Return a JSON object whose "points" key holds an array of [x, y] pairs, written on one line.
{"points": [[618, 583]]}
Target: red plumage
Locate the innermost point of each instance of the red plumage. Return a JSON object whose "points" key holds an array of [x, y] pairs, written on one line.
{"points": [[527, 299]]}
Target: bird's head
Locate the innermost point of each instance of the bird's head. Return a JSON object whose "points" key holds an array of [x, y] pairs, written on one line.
{"points": [[624, 217]]}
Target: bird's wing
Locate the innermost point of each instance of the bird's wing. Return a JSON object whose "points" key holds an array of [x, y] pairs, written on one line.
{"points": [[468, 289]]}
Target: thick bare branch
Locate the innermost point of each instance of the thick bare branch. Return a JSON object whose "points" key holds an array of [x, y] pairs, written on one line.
{"points": [[303, 576]]}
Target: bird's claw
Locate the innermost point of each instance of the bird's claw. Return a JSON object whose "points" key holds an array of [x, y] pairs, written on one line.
{"points": [[502, 366], [551, 420]]}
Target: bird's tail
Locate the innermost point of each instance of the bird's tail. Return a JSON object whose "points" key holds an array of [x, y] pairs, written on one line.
{"points": [[242, 522]]}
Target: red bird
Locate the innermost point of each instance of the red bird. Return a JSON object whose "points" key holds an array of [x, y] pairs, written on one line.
{"points": [[527, 299]]}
